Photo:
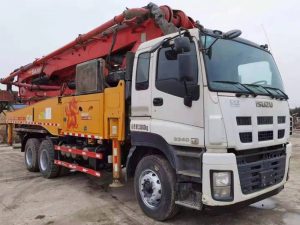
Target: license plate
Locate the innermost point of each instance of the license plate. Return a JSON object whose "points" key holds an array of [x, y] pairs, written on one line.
{"points": [[266, 178]]}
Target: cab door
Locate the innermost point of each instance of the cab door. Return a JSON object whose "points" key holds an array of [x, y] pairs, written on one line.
{"points": [[170, 116]]}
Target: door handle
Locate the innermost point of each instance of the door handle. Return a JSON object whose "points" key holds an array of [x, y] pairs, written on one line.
{"points": [[158, 101]]}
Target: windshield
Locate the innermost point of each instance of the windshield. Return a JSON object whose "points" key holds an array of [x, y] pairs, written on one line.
{"points": [[232, 66]]}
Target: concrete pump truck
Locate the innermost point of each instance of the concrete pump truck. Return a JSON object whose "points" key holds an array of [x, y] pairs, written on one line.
{"points": [[197, 117]]}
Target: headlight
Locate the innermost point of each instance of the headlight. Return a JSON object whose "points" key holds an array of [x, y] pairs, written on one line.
{"points": [[222, 179], [222, 185]]}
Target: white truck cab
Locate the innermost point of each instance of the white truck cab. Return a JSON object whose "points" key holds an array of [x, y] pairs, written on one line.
{"points": [[221, 119]]}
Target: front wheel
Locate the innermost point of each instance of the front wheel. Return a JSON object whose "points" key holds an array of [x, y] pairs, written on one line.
{"points": [[154, 184]]}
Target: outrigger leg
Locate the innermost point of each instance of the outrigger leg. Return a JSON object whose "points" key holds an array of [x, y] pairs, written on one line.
{"points": [[117, 170]]}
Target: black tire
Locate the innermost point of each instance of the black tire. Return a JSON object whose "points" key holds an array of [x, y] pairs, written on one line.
{"points": [[46, 160], [31, 154], [165, 207]]}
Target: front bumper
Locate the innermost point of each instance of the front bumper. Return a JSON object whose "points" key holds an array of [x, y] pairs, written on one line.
{"points": [[228, 162]]}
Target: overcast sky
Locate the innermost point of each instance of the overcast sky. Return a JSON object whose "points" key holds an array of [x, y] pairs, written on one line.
{"points": [[32, 28]]}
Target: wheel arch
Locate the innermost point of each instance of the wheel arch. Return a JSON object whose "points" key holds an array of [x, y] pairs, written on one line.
{"points": [[143, 144], [28, 135]]}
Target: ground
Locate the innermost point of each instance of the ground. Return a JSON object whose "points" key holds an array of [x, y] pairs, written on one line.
{"points": [[27, 198]]}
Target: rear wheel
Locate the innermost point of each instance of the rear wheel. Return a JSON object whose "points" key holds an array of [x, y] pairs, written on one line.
{"points": [[31, 154], [154, 184], [46, 160]]}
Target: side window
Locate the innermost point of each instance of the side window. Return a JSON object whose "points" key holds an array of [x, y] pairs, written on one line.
{"points": [[168, 79], [142, 71]]}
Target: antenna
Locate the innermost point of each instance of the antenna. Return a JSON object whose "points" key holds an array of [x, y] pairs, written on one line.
{"points": [[266, 36]]}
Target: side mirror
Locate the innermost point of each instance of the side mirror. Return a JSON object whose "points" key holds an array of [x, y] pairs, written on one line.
{"points": [[171, 54], [185, 67], [185, 72], [182, 44]]}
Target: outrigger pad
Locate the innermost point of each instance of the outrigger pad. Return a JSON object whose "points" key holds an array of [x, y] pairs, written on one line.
{"points": [[90, 77]]}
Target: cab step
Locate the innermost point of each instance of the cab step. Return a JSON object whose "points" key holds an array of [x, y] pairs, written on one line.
{"points": [[194, 201], [190, 173], [189, 154]]}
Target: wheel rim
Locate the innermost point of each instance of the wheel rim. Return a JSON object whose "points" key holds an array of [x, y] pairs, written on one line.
{"points": [[28, 156], [150, 188], [44, 160]]}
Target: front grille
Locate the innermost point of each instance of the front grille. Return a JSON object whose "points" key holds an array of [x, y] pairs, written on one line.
{"points": [[263, 120], [280, 119], [281, 133], [265, 135], [257, 133], [261, 169], [243, 120], [246, 137]]}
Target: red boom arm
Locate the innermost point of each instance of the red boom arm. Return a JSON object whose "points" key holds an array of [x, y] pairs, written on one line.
{"points": [[48, 76]]}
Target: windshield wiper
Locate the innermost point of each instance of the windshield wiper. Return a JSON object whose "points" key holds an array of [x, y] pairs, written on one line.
{"points": [[238, 83], [270, 93], [280, 92]]}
